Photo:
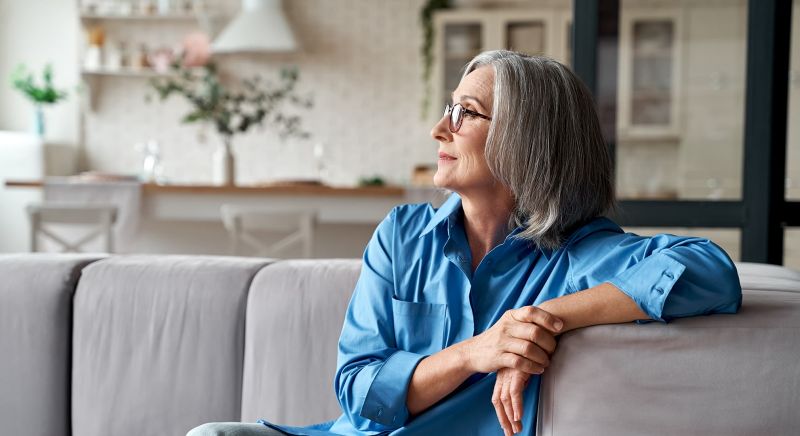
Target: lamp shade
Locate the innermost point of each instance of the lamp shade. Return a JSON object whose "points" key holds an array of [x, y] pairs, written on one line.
{"points": [[261, 26]]}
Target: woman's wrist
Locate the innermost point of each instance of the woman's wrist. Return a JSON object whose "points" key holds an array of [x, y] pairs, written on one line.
{"points": [[436, 376], [553, 307], [462, 350]]}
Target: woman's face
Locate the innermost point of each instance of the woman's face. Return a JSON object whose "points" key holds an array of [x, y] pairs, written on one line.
{"points": [[462, 165]]}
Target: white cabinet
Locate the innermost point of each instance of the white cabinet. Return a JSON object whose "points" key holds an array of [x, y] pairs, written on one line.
{"points": [[649, 96], [462, 34]]}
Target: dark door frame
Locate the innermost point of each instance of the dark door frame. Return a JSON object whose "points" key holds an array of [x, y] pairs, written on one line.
{"points": [[763, 212]]}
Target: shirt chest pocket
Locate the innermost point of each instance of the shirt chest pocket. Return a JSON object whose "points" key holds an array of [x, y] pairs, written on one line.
{"points": [[419, 327]]}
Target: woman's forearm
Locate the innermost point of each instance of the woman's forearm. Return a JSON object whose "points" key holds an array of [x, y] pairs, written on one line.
{"points": [[602, 304], [436, 376]]}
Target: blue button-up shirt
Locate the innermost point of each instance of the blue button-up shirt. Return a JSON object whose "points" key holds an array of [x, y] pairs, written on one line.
{"points": [[417, 294]]}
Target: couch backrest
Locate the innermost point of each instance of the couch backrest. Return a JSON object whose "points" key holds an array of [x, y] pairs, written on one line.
{"points": [[294, 317], [164, 343], [720, 374], [158, 343], [35, 331]]}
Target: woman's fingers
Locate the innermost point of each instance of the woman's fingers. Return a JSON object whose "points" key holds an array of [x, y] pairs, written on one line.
{"points": [[533, 333], [533, 314], [515, 361], [507, 398], [505, 423], [528, 350], [508, 407], [517, 383]]}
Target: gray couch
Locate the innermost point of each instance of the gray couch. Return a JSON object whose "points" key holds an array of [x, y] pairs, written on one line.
{"points": [[155, 345]]}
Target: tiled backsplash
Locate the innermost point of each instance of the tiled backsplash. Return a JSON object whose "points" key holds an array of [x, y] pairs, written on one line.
{"points": [[360, 62]]}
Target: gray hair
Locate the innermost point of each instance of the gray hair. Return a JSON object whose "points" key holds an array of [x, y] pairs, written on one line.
{"points": [[545, 144]]}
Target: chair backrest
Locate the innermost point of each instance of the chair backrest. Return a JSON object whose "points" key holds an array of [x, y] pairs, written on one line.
{"points": [[244, 222], [98, 219]]}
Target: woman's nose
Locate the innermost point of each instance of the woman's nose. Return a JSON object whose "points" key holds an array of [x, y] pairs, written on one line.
{"points": [[441, 131]]}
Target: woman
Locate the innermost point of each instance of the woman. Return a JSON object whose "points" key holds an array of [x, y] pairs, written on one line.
{"points": [[456, 311]]}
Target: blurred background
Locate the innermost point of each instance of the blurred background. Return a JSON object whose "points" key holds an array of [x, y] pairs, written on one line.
{"points": [[290, 128]]}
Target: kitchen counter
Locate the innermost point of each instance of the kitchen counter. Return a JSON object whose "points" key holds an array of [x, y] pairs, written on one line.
{"points": [[346, 205], [277, 188]]}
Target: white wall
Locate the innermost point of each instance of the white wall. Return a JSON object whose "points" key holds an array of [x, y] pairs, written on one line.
{"points": [[359, 60], [36, 32]]}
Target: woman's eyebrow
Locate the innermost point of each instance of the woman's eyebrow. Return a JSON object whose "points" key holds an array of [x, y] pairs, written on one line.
{"points": [[469, 97]]}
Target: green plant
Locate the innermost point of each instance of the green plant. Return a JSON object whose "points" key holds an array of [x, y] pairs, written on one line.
{"points": [[23, 81], [428, 35], [371, 181], [234, 110]]}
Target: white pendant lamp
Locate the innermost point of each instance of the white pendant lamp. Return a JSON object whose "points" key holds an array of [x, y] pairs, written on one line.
{"points": [[261, 26]]}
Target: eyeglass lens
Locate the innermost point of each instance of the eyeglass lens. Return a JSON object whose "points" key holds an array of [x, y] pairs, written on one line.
{"points": [[456, 112]]}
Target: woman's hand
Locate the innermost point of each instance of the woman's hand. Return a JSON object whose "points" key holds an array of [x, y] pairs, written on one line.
{"points": [[521, 339], [509, 388], [507, 398]]}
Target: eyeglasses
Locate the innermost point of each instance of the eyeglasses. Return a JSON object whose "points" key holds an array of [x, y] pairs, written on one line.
{"points": [[457, 112]]}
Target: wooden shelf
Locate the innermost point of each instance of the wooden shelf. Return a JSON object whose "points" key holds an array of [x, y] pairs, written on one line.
{"points": [[126, 72], [139, 17]]}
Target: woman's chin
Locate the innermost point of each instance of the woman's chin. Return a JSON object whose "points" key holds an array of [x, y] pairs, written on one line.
{"points": [[441, 181]]}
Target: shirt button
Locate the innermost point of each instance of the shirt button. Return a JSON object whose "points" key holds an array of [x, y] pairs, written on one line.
{"points": [[669, 275], [659, 290]]}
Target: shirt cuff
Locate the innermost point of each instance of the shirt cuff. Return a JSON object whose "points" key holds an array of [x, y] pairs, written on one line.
{"points": [[385, 402], [649, 282]]}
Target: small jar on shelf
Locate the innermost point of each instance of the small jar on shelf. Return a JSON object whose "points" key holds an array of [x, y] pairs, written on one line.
{"points": [[93, 58], [147, 7], [138, 58]]}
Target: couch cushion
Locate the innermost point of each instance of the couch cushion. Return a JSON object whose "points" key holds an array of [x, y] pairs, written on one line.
{"points": [[764, 277], [294, 317], [35, 324], [159, 343], [718, 374]]}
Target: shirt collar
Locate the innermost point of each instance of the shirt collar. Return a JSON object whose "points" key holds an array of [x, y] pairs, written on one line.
{"points": [[451, 206]]}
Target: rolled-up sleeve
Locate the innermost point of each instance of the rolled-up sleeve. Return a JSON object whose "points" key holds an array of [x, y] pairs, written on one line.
{"points": [[372, 375], [667, 276]]}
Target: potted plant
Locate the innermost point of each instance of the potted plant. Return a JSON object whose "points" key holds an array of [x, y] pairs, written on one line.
{"points": [[235, 108], [40, 95]]}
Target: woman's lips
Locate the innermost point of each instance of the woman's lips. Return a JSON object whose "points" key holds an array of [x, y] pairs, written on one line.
{"points": [[445, 156]]}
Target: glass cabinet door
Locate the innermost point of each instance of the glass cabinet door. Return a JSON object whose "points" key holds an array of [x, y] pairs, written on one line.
{"points": [[462, 41], [652, 85], [526, 36]]}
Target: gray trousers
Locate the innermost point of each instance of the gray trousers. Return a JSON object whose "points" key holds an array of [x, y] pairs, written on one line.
{"points": [[233, 429]]}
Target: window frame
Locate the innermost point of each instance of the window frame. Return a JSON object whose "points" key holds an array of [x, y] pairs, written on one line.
{"points": [[763, 212]]}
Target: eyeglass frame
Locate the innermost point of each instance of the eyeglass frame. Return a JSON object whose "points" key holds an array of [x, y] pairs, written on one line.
{"points": [[448, 112]]}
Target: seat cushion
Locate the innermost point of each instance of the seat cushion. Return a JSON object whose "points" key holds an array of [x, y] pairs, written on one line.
{"points": [[35, 332], [158, 343], [718, 374], [294, 317]]}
